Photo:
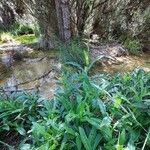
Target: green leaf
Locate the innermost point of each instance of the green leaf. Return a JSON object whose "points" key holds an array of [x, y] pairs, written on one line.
{"points": [[21, 130], [78, 143], [94, 122], [92, 134], [122, 137], [69, 130], [130, 146], [25, 147], [117, 102], [84, 139], [63, 142], [107, 133], [96, 142], [102, 107], [105, 122]]}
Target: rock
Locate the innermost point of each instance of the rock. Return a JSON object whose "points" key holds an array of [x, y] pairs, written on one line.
{"points": [[117, 51], [113, 50]]}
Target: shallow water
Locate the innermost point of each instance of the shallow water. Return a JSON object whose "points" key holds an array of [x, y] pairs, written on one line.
{"points": [[30, 74], [125, 64], [39, 73]]}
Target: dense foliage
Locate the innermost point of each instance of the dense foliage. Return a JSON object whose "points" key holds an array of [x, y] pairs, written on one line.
{"points": [[100, 112]]}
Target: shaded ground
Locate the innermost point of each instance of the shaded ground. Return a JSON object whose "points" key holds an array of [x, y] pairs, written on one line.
{"points": [[11, 138]]}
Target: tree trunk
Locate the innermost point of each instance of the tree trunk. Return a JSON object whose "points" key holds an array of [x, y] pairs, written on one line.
{"points": [[45, 13], [63, 19], [7, 16]]}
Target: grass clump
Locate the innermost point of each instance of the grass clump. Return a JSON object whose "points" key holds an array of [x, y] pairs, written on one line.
{"points": [[76, 52], [23, 29], [26, 39]]}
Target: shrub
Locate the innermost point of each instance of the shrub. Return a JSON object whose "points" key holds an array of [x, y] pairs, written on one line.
{"points": [[23, 29], [133, 45]]}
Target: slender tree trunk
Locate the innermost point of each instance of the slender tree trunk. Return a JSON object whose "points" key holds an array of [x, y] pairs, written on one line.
{"points": [[63, 19]]}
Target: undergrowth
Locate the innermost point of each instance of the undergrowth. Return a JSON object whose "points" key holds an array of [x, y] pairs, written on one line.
{"points": [[76, 51], [92, 113], [23, 39], [133, 45], [26, 39]]}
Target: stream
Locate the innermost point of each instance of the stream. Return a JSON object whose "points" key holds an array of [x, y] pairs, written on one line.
{"points": [[40, 72], [30, 74]]}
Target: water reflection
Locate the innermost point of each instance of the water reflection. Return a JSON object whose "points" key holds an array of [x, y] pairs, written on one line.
{"points": [[31, 74]]}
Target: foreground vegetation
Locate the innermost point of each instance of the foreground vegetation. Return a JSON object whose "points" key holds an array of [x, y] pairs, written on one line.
{"points": [[91, 113]]}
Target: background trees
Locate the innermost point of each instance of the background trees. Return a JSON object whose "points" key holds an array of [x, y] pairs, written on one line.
{"points": [[64, 19]]}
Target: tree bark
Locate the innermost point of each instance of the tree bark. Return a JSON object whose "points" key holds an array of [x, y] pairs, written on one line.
{"points": [[63, 19]]}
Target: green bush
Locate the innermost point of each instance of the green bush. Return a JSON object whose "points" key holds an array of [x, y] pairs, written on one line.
{"points": [[18, 29], [133, 45], [23, 30]]}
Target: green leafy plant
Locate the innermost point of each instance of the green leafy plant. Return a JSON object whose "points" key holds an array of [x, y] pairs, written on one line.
{"points": [[24, 29], [133, 45], [88, 113], [18, 113], [18, 29], [76, 52]]}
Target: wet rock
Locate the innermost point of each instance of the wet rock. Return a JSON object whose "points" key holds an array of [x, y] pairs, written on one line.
{"points": [[7, 60], [11, 85], [18, 56], [117, 51]]}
